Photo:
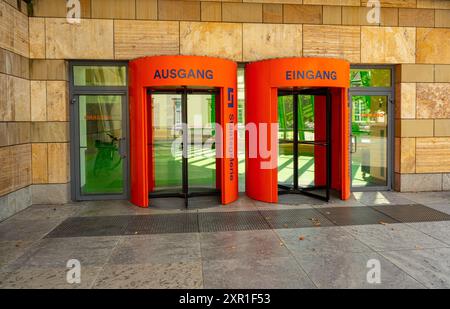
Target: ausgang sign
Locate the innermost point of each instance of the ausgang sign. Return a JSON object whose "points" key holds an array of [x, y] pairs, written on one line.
{"points": [[182, 73]]}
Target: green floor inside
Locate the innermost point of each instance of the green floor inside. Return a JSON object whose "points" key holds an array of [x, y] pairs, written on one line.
{"points": [[201, 171]]}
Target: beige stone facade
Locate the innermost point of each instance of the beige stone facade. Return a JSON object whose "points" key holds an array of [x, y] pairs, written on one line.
{"points": [[413, 35]]}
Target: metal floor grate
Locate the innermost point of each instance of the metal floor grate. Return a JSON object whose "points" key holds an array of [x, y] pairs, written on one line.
{"points": [[189, 222], [295, 218], [91, 226], [412, 213], [359, 215], [164, 223], [231, 221]]}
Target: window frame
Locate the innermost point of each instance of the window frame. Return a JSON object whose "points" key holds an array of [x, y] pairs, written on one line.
{"points": [[74, 93], [377, 91]]}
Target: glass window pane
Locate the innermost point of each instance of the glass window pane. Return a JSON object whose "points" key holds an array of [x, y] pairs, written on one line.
{"points": [[369, 141], [101, 166], [99, 75], [201, 141], [167, 142], [370, 78]]}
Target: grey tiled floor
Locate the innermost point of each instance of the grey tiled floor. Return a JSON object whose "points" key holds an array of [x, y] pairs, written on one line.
{"points": [[411, 255]]}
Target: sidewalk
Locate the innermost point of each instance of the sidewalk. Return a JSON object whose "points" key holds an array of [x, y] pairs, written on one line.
{"points": [[299, 243]]}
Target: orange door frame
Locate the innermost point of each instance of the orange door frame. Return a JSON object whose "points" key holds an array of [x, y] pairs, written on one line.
{"points": [[176, 71], [262, 81]]}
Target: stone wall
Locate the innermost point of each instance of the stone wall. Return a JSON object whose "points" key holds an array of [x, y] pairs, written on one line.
{"points": [[15, 110], [414, 35]]}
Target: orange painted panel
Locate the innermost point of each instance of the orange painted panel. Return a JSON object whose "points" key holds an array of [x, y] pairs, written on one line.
{"points": [[177, 71], [262, 81]]}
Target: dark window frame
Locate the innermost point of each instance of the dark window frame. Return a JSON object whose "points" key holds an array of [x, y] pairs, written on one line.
{"points": [[377, 91], [74, 93]]}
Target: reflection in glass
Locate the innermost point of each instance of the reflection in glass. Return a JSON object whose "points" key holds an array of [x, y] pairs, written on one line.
{"points": [[202, 146], [167, 130], [369, 141], [370, 78], [99, 76], [101, 166], [286, 140]]}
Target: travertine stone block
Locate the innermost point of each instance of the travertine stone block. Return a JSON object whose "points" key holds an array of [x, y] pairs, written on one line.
{"points": [[442, 73], [272, 13], [48, 69], [242, 12], [414, 128], [332, 15], [211, 39], [134, 39], [147, 9], [39, 163], [49, 8], [262, 41], [442, 127], [416, 17], [38, 101], [433, 100], [433, 4], [442, 18], [68, 41], [389, 17], [21, 166], [178, 10], [332, 2], [302, 14], [6, 26], [57, 101], [433, 155], [6, 162], [117, 9], [3, 134], [211, 11], [433, 45], [6, 104], [394, 3], [332, 41], [388, 44], [19, 96], [405, 106], [49, 132], [37, 37], [58, 162], [408, 155], [415, 73]]}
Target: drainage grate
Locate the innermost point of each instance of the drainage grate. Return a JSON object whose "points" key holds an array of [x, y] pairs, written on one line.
{"points": [[294, 218], [231, 221], [188, 222], [412, 213], [359, 215], [164, 223], [91, 226]]}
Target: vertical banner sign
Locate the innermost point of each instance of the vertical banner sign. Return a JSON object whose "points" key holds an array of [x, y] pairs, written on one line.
{"points": [[230, 128]]}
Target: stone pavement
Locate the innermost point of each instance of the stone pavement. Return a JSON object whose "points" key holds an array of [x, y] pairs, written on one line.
{"points": [[412, 254]]}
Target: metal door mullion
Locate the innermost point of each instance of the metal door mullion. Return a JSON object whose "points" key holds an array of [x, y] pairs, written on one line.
{"points": [[295, 145], [185, 147]]}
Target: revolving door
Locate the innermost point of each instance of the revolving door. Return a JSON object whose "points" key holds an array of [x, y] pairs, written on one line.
{"points": [[183, 143], [304, 142]]}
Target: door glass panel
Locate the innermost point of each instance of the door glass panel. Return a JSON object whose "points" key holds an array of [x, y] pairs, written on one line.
{"points": [[167, 141], [101, 165], [305, 133], [201, 111], [285, 140], [369, 140]]}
